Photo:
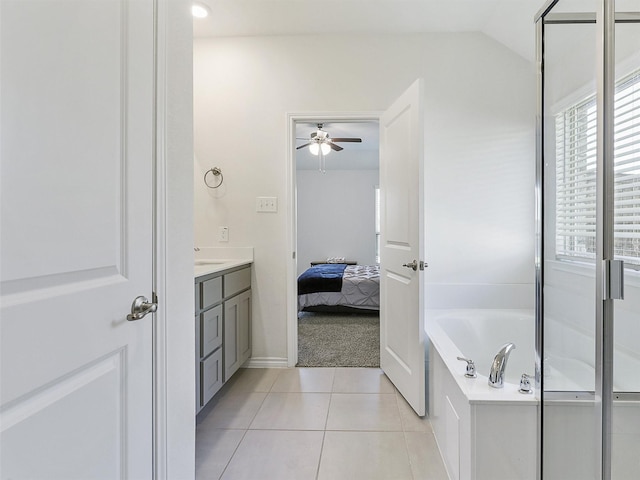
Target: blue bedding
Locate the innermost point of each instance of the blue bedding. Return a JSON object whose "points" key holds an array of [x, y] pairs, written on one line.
{"points": [[326, 277]]}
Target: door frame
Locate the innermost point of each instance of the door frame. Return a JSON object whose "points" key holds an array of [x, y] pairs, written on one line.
{"points": [[160, 219], [292, 237], [173, 385]]}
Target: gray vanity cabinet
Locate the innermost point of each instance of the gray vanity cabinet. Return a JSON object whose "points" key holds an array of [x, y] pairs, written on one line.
{"points": [[223, 329]]}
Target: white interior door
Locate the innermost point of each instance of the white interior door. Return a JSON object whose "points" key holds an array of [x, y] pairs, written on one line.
{"points": [[76, 238], [402, 236]]}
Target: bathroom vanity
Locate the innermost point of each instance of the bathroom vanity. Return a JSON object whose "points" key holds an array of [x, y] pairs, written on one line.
{"points": [[223, 323]]}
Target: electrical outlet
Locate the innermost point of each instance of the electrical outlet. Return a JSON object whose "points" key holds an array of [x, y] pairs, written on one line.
{"points": [[223, 234], [267, 204]]}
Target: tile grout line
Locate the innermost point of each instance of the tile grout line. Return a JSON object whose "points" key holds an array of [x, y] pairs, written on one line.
{"points": [[324, 435], [262, 403], [401, 416], [406, 446], [232, 455], [326, 421]]}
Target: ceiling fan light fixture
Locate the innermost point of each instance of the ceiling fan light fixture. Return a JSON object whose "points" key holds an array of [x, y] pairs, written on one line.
{"points": [[199, 10], [325, 148], [314, 148], [319, 146]]}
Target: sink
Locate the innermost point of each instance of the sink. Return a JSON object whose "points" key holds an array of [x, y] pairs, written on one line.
{"points": [[209, 262]]}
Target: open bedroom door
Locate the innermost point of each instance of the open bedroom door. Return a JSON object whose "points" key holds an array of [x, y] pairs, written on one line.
{"points": [[402, 245]]}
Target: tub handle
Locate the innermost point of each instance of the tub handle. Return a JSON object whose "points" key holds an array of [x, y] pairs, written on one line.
{"points": [[525, 384], [471, 367]]}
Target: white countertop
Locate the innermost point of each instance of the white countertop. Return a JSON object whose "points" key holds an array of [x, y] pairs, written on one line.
{"points": [[206, 266], [210, 260]]}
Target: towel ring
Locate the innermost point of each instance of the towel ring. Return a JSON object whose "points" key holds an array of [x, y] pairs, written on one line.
{"points": [[216, 173]]}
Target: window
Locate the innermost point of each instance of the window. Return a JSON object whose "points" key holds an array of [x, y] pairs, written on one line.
{"points": [[576, 144]]}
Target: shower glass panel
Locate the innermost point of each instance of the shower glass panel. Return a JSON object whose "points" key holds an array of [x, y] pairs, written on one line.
{"points": [[571, 410], [588, 257], [625, 437]]}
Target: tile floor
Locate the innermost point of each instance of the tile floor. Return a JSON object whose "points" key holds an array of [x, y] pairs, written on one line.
{"points": [[314, 423]]}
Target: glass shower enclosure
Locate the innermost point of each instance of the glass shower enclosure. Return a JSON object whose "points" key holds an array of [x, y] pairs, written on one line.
{"points": [[588, 245]]}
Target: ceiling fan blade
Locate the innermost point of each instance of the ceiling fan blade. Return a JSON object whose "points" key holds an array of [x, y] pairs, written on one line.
{"points": [[313, 134], [335, 147], [356, 140], [305, 145]]}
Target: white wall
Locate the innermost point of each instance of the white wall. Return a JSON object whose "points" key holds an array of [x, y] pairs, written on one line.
{"points": [[480, 106], [336, 216]]}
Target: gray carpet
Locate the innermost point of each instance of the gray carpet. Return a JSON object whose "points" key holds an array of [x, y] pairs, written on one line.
{"points": [[338, 340]]}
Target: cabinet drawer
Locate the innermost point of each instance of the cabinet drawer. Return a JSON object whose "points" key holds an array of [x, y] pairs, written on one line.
{"points": [[210, 330], [210, 377], [237, 281], [211, 292]]}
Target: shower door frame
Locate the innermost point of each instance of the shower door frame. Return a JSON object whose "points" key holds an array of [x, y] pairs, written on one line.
{"points": [[605, 20]]}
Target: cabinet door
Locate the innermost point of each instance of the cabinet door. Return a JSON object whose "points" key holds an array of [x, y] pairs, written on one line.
{"points": [[197, 359], [211, 330], [237, 332], [244, 326]]}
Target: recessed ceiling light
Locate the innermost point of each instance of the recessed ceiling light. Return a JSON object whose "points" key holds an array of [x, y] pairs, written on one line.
{"points": [[198, 10]]}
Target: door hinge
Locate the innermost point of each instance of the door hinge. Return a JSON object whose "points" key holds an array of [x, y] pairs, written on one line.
{"points": [[613, 283]]}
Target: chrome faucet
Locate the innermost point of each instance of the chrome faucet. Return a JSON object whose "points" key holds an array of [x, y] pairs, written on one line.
{"points": [[496, 375]]}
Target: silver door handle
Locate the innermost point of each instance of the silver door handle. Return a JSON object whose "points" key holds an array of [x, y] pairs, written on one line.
{"points": [[140, 307], [413, 265]]}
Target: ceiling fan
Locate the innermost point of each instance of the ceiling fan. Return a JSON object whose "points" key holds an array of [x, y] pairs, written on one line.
{"points": [[321, 142]]}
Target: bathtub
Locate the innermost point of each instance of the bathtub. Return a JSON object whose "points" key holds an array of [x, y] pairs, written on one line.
{"points": [[482, 432]]}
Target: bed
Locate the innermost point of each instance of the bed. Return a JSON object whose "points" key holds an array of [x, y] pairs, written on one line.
{"points": [[337, 287]]}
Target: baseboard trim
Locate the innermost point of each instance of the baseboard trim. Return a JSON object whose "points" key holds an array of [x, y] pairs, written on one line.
{"points": [[266, 362]]}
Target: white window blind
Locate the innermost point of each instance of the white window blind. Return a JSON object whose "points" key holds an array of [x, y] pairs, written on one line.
{"points": [[576, 144]]}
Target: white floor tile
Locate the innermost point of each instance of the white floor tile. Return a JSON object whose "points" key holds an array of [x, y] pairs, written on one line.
{"points": [[361, 380], [426, 462], [316, 424], [357, 411], [276, 455], [214, 449], [293, 411], [304, 380], [411, 422], [233, 410], [253, 380], [364, 456]]}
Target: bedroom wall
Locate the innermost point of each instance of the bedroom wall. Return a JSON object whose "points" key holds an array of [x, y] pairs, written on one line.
{"points": [[336, 215], [480, 111]]}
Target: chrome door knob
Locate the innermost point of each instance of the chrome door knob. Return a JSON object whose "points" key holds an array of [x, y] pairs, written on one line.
{"points": [[140, 307], [413, 265]]}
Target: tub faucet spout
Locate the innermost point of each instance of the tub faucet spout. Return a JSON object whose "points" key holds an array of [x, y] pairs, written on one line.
{"points": [[496, 375]]}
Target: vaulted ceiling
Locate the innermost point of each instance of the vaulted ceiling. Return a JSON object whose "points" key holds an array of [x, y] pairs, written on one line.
{"points": [[510, 22]]}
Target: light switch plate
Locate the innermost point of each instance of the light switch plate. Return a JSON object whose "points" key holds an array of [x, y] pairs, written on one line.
{"points": [[267, 204], [223, 234]]}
